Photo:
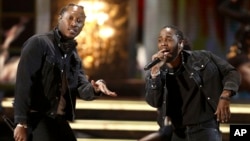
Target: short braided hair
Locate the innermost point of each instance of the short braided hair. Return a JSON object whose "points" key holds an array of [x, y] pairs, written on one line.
{"points": [[65, 8]]}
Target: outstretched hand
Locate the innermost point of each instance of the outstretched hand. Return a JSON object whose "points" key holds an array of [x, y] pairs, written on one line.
{"points": [[100, 86], [223, 113]]}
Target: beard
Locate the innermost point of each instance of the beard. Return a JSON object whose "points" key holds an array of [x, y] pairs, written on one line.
{"points": [[172, 55]]}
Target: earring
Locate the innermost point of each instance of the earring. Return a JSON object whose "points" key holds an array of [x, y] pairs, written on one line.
{"points": [[181, 46]]}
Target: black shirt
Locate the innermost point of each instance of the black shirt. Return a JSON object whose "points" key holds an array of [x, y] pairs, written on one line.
{"points": [[187, 105]]}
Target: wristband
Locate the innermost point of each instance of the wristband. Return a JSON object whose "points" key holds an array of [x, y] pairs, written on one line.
{"points": [[225, 98], [22, 125]]}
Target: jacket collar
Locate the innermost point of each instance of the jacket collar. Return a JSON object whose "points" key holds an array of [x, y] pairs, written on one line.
{"points": [[65, 46]]}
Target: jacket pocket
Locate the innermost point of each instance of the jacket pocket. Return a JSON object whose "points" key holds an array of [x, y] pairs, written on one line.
{"points": [[72, 75], [50, 74], [206, 69]]}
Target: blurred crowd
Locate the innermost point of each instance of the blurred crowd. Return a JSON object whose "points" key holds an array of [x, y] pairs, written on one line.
{"points": [[239, 51], [8, 63]]}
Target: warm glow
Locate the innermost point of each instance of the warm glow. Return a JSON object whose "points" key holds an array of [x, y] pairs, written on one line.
{"points": [[88, 61], [106, 32], [102, 18], [92, 5], [96, 33]]}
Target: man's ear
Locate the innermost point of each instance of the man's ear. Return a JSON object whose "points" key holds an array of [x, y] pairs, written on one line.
{"points": [[181, 45], [59, 17]]}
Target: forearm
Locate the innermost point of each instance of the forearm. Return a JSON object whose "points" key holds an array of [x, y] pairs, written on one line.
{"points": [[232, 82], [24, 88], [87, 92], [21, 108], [154, 93]]}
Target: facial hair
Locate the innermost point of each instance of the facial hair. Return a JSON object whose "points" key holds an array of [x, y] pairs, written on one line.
{"points": [[173, 54]]}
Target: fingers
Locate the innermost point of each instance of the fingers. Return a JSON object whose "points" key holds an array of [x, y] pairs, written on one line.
{"points": [[20, 134], [162, 54], [154, 57], [100, 86], [111, 94], [106, 91], [223, 115], [226, 115], [224, 118]]}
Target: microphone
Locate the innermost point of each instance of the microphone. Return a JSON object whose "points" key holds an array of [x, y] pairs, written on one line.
{"points": [[151, 64]]}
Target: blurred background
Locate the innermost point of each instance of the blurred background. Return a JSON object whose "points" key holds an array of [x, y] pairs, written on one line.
{"points": [[117, 41]]}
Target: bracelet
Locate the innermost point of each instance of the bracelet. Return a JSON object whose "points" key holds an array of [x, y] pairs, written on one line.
{"points": [[155, 74], [225, 98], [22, 125]]}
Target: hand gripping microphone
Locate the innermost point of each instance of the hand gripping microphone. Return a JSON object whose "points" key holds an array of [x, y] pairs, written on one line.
{"points": [[151, 64]]}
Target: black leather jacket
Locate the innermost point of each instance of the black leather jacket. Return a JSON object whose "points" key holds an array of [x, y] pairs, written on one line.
{"points": [[211, 74], [39, 80]]}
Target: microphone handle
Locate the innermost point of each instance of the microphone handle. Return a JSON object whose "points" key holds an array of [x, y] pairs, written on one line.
{"points": [[151, 64], [8, 122]]}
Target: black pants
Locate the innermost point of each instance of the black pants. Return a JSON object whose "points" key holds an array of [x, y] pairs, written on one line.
{"points": [[44, 128]]}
